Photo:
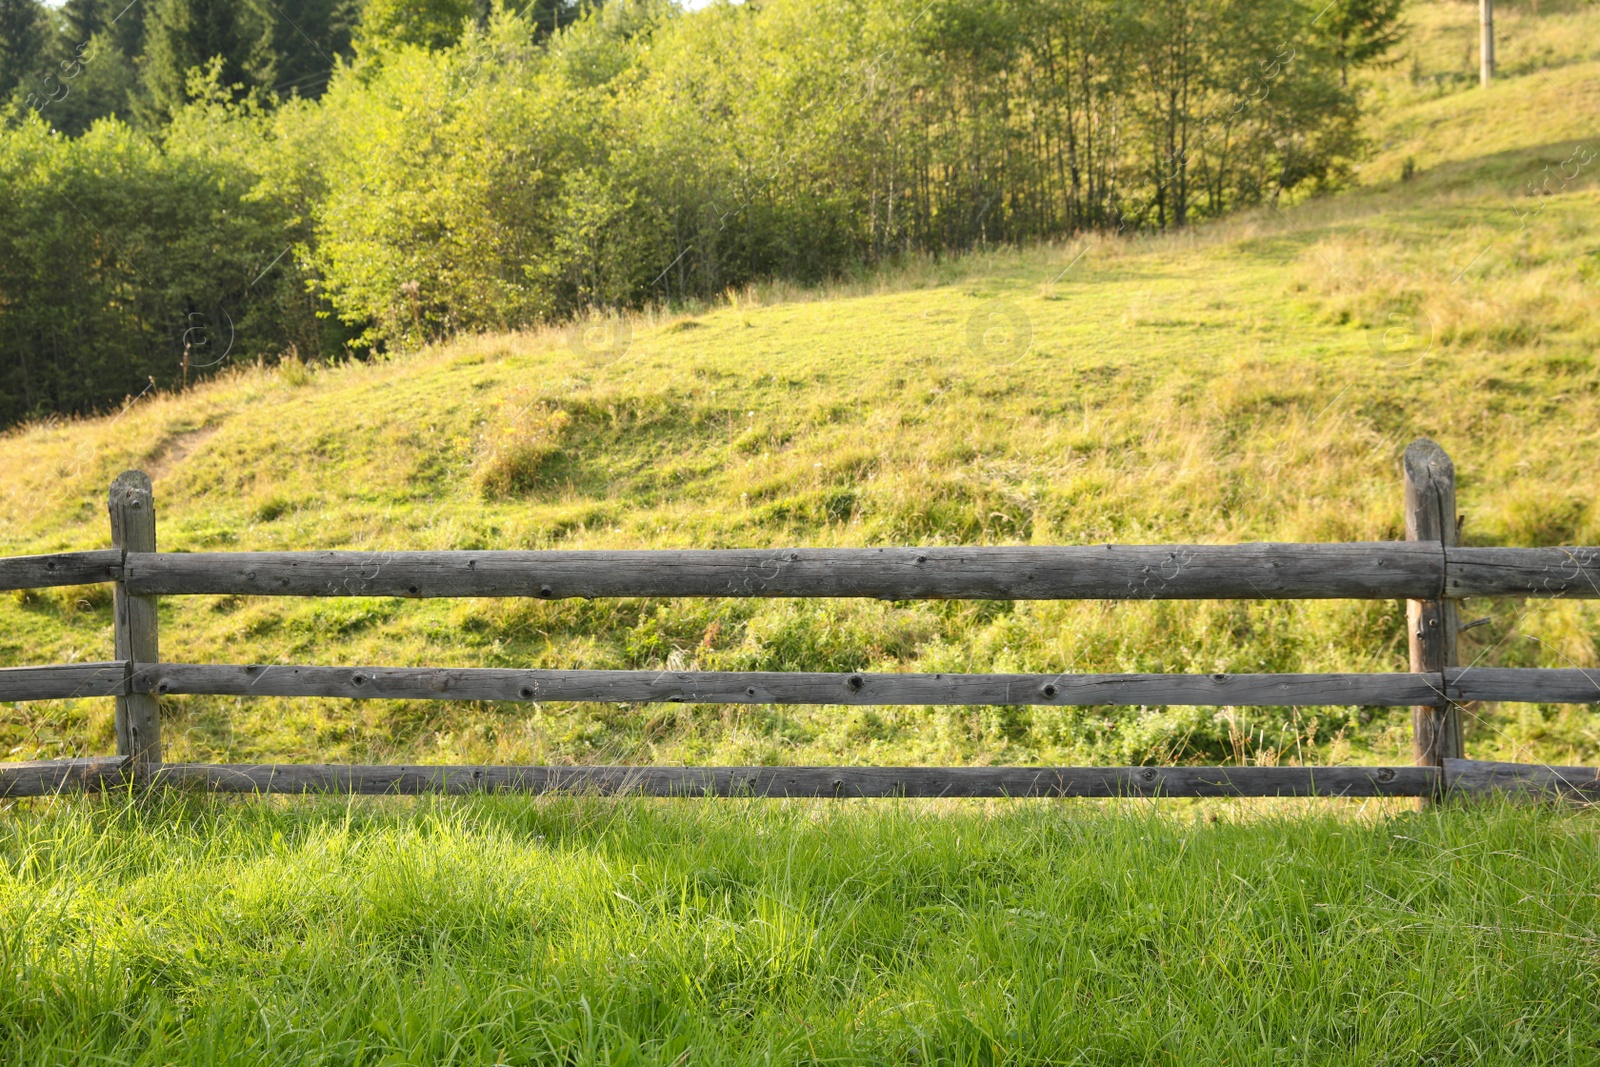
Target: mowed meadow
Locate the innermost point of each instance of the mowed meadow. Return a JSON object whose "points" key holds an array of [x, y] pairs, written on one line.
{"points": [[1253, 378]]}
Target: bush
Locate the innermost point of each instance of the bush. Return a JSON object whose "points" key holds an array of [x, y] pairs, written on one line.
{"points": [[126, 262]]}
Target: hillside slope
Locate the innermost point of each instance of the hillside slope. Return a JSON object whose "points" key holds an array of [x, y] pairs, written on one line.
{"points": [[1253, 380]]}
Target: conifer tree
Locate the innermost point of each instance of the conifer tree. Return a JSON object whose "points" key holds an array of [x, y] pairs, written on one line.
{"points": [[184, 35]]}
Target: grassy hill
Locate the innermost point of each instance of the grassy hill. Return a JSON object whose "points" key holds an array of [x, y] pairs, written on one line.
{"points": [[1253, 379]]}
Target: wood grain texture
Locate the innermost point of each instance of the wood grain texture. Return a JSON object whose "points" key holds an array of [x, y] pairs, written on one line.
{"points": [[838, 782], [1375, 570], [783, 687], [133, 529], [1523, 572], [1430, 507], [60, 568], [1529, 685], [39, 778], [63, 681], [1476, 776]]}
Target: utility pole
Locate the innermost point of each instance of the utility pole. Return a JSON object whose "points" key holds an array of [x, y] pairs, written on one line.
{"points": [[1486, 41]]}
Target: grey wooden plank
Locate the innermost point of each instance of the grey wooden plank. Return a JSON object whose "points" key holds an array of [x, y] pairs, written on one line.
{"points": [[63, 681], [1481, 776], [132, 508], [840, 782], [784, 687], [1523, 572], [60, 568], [1380, 570], [1530, 685], [47, 777]]}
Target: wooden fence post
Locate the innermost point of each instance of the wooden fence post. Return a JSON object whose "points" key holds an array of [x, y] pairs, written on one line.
{"points": [[1431, 516], [133, 529]]}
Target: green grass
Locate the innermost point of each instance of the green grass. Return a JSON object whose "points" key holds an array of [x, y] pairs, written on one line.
{"points": [[510, 931]]}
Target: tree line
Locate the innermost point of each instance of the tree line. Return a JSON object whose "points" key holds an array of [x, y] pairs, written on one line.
{"points": [[216, 180]]}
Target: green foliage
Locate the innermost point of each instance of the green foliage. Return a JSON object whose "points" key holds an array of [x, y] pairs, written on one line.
{"points": [[491, 169], [23, 29], [443, 220], [1361, 31], [186, 35], [309, 38], [645, 153], [98, 80], [431, 24], [124, 261]]}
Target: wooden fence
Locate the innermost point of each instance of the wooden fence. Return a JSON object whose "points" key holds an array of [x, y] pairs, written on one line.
{"points": [[1429, 570]]}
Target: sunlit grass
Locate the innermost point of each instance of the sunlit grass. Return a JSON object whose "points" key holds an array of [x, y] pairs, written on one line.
{"points": [[514, 931]]}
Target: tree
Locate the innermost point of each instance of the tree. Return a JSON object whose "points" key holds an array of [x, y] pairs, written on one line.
{"points": [[22, 35], [184, 35], [308, 37], [122, 21], [545, 16], [430, 24], [92, 52], [1360, 32]]}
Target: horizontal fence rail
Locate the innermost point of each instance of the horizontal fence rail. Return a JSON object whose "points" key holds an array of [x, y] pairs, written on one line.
{"points": [[1466, 777], [1428, 571], [1137, 572], [61, 568], [1462, 685], [1371, 570], [790, 687], [65, 681]]}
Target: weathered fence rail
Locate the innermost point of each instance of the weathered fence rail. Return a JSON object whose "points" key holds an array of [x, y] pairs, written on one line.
{"points": [[1428, 570], [1363, 570]]}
